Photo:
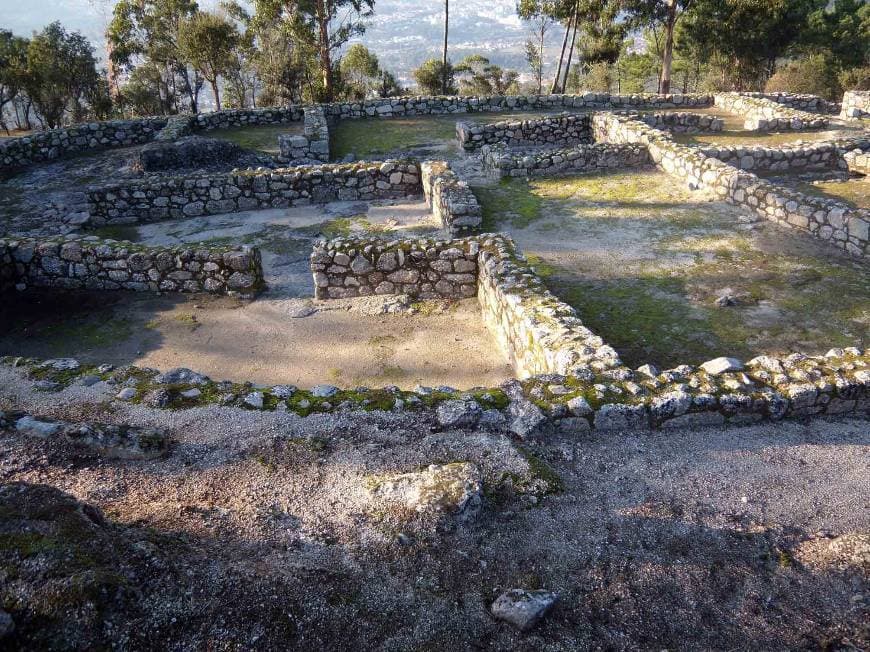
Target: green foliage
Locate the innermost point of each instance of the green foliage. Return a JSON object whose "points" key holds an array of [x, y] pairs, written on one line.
{"points": [[597, 77], [841, 30], [61, 71], [140, 95], [388, 85], [856, 79], [146, 32], [429, 77], [13, 69], [359, 71], [741, 39], [816, 75], [207, 42], [635, 71], [480, 77]]}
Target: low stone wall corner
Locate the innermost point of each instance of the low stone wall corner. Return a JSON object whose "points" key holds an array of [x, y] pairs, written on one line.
{"points": [[452, 201]]}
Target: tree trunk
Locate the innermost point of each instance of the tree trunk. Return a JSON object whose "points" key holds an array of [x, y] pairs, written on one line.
{"points": [[323, 45], [444, 52], [668, 53], [541, 58], [571, 49], [217, 94], [555, 86]]}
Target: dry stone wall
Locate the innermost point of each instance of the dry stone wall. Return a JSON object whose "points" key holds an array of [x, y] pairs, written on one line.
{"points": [[424, 268], [563, 129], [538, 332], [762, 114], [313, 143], [858, 159], [49, 145], [803, 156], [829, 220], [435, 105], [246, 117], [76, 262], [682, 122], [502, 161], [452, 201], [8, 273], [800, 101], [856, 104], [151, 200]]}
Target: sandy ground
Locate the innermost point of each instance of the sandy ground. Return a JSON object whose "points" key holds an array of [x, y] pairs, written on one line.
{"points": [[269, 341], [283, 336], [259, 531]]}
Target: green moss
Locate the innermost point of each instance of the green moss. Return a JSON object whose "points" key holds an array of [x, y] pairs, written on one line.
{"points": [[855, 193], [187, 319], [123, 232], [512, 201]]}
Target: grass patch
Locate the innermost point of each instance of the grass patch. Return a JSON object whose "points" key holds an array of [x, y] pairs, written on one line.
{"points": [[855, 193], [262, 138], [127, 232]]}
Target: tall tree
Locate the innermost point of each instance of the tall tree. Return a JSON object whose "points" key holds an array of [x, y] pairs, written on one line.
{"points": [[322, 26], [480, 77], [13, 70], [430, 77], [143, 31], [359, 70], [207, 42], [660, 15], [743, 38], [444, 52], [61, 72], [540, 14]]}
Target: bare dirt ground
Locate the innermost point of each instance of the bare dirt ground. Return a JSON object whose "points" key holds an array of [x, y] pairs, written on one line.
{"points": [[260, 531], [369, 342], [284, 336]]}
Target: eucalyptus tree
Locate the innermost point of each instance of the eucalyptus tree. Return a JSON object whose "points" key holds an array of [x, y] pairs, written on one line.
{"points": [[146, 31], [541, 14], [61, 75], [13, 69], [207, 42]]}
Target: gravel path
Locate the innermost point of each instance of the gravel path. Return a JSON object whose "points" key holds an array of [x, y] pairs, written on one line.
{"points": [[260, 531]]}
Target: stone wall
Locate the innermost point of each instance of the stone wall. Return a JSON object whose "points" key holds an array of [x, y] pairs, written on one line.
{"points": [[313, 143], [434, 105], [829, 220], [800, 101], [8, 274], [858, 160], [76, 262], [856, 104], [452, 201], [766, 115], [538, 332], [186, 151], [151, 200], [817, 156], [506, 162], [682, 123], [16, 153], [424, 268], [246, 117], [562, 129]]}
